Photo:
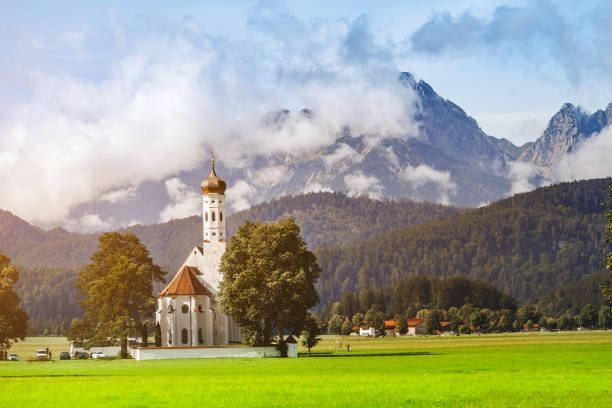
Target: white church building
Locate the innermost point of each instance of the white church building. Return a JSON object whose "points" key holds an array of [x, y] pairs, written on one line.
{"points": [[187, 308]]}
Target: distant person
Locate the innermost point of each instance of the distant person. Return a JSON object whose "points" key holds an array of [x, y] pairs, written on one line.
{"points": [[348, 347]]}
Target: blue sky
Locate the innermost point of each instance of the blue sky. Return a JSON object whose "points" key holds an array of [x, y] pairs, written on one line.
{"points": [[100, 97]]}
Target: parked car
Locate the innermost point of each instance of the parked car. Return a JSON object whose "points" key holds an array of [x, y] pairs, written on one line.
{"points": [[13, 357], [78, 355], [42, 355], [97, 354], [64, 355]]}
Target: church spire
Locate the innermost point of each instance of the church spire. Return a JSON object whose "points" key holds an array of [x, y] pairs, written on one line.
{"points": [[214, 183]]}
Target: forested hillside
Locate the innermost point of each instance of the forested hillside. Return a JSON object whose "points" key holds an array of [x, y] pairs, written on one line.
{"points": [[571, 298], [326, 219], [524, 245]]}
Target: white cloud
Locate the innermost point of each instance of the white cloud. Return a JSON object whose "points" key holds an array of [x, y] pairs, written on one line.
{"points": [[359, 183], [520, 174], [240, 195], [343, 154], [316, 188], [88, 223], [590, 160], [423, 174], [269, 176], [171, 93], [119, 195], [185, 201]]}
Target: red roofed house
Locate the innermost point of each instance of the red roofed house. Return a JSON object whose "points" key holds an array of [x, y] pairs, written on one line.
{"points": [[187, 310]]}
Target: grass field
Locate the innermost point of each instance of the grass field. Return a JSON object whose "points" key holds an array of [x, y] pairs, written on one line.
{"points": [[517, 370]]}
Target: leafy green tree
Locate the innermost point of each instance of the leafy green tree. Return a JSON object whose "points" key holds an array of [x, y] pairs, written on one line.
{"points": [[335, 324], [357, 318], [402, 326], [527, 312], [269, 279], [310, 333], [379, 324], [605, 317], [478, 320], [347, 327], [13, 320], [432, 321], [506, 318], [588, 316], [118, 289]]}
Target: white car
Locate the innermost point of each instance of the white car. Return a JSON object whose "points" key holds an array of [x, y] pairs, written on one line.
{"points": [[13, 357], [98, 354], [42, 355]]}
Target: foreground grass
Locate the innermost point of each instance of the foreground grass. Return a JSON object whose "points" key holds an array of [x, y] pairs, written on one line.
{"points": [[550, 370]]}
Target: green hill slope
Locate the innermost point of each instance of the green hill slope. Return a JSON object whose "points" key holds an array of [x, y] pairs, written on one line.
{"points": [[326, 219], [524, 245]]}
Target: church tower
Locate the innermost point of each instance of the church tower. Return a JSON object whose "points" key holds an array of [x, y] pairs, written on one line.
{"points": [[214, 233]]}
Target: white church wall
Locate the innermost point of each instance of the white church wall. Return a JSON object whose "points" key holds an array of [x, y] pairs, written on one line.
{"points": [[164, 353]]}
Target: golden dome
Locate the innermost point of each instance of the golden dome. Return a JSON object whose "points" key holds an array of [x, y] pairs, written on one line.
{"points": [[214, 183]]}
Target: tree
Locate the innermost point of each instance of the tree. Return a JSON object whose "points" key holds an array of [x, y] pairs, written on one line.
{"points": [[357, 318], [310, 333], [13, 320], [606, 290], [605, 317], [335, 324], [144, 334], [379, 324], [268, 279], [432, 320], [588, 316], [118, 288], [347, 328], [158, 339], [402, 326]]}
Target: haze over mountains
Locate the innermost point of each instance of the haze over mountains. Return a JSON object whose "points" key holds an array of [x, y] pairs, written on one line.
{"points": [[447, 158]]}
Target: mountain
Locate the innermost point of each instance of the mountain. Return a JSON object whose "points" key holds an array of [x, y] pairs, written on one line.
{"points": [[450, 160], [524, 245], [566, 130], [326, 219]]}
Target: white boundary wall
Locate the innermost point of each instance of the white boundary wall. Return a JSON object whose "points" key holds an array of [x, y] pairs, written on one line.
{"points": [[164, 353]]}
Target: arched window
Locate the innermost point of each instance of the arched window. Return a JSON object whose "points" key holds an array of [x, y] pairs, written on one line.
{"points": [[185, 309], [184, 336], [200, 337], [206, 216], [213, 216], [220, 216], [200, 309]]}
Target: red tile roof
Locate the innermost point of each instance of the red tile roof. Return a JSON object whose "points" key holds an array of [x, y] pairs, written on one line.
{"points": [[413, 322], [185, 282]]}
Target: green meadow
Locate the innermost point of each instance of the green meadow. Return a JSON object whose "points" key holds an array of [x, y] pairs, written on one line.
{"points": [[567, 369]]}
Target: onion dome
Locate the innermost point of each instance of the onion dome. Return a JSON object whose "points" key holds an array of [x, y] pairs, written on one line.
{"points": [[214, 183]]}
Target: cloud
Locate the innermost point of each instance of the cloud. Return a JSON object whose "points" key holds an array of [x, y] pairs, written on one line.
{"points": [[172, 91], [538, 31], [240, 195], [423, 174], [119, 195], [88, 223], [343, 154], [316, 188], [590, 160], [359, 183], [520, 175], [184, 201], [269, 176]]}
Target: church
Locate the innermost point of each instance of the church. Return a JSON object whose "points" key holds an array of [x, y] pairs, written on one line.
{"points": [[187, 308]]}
